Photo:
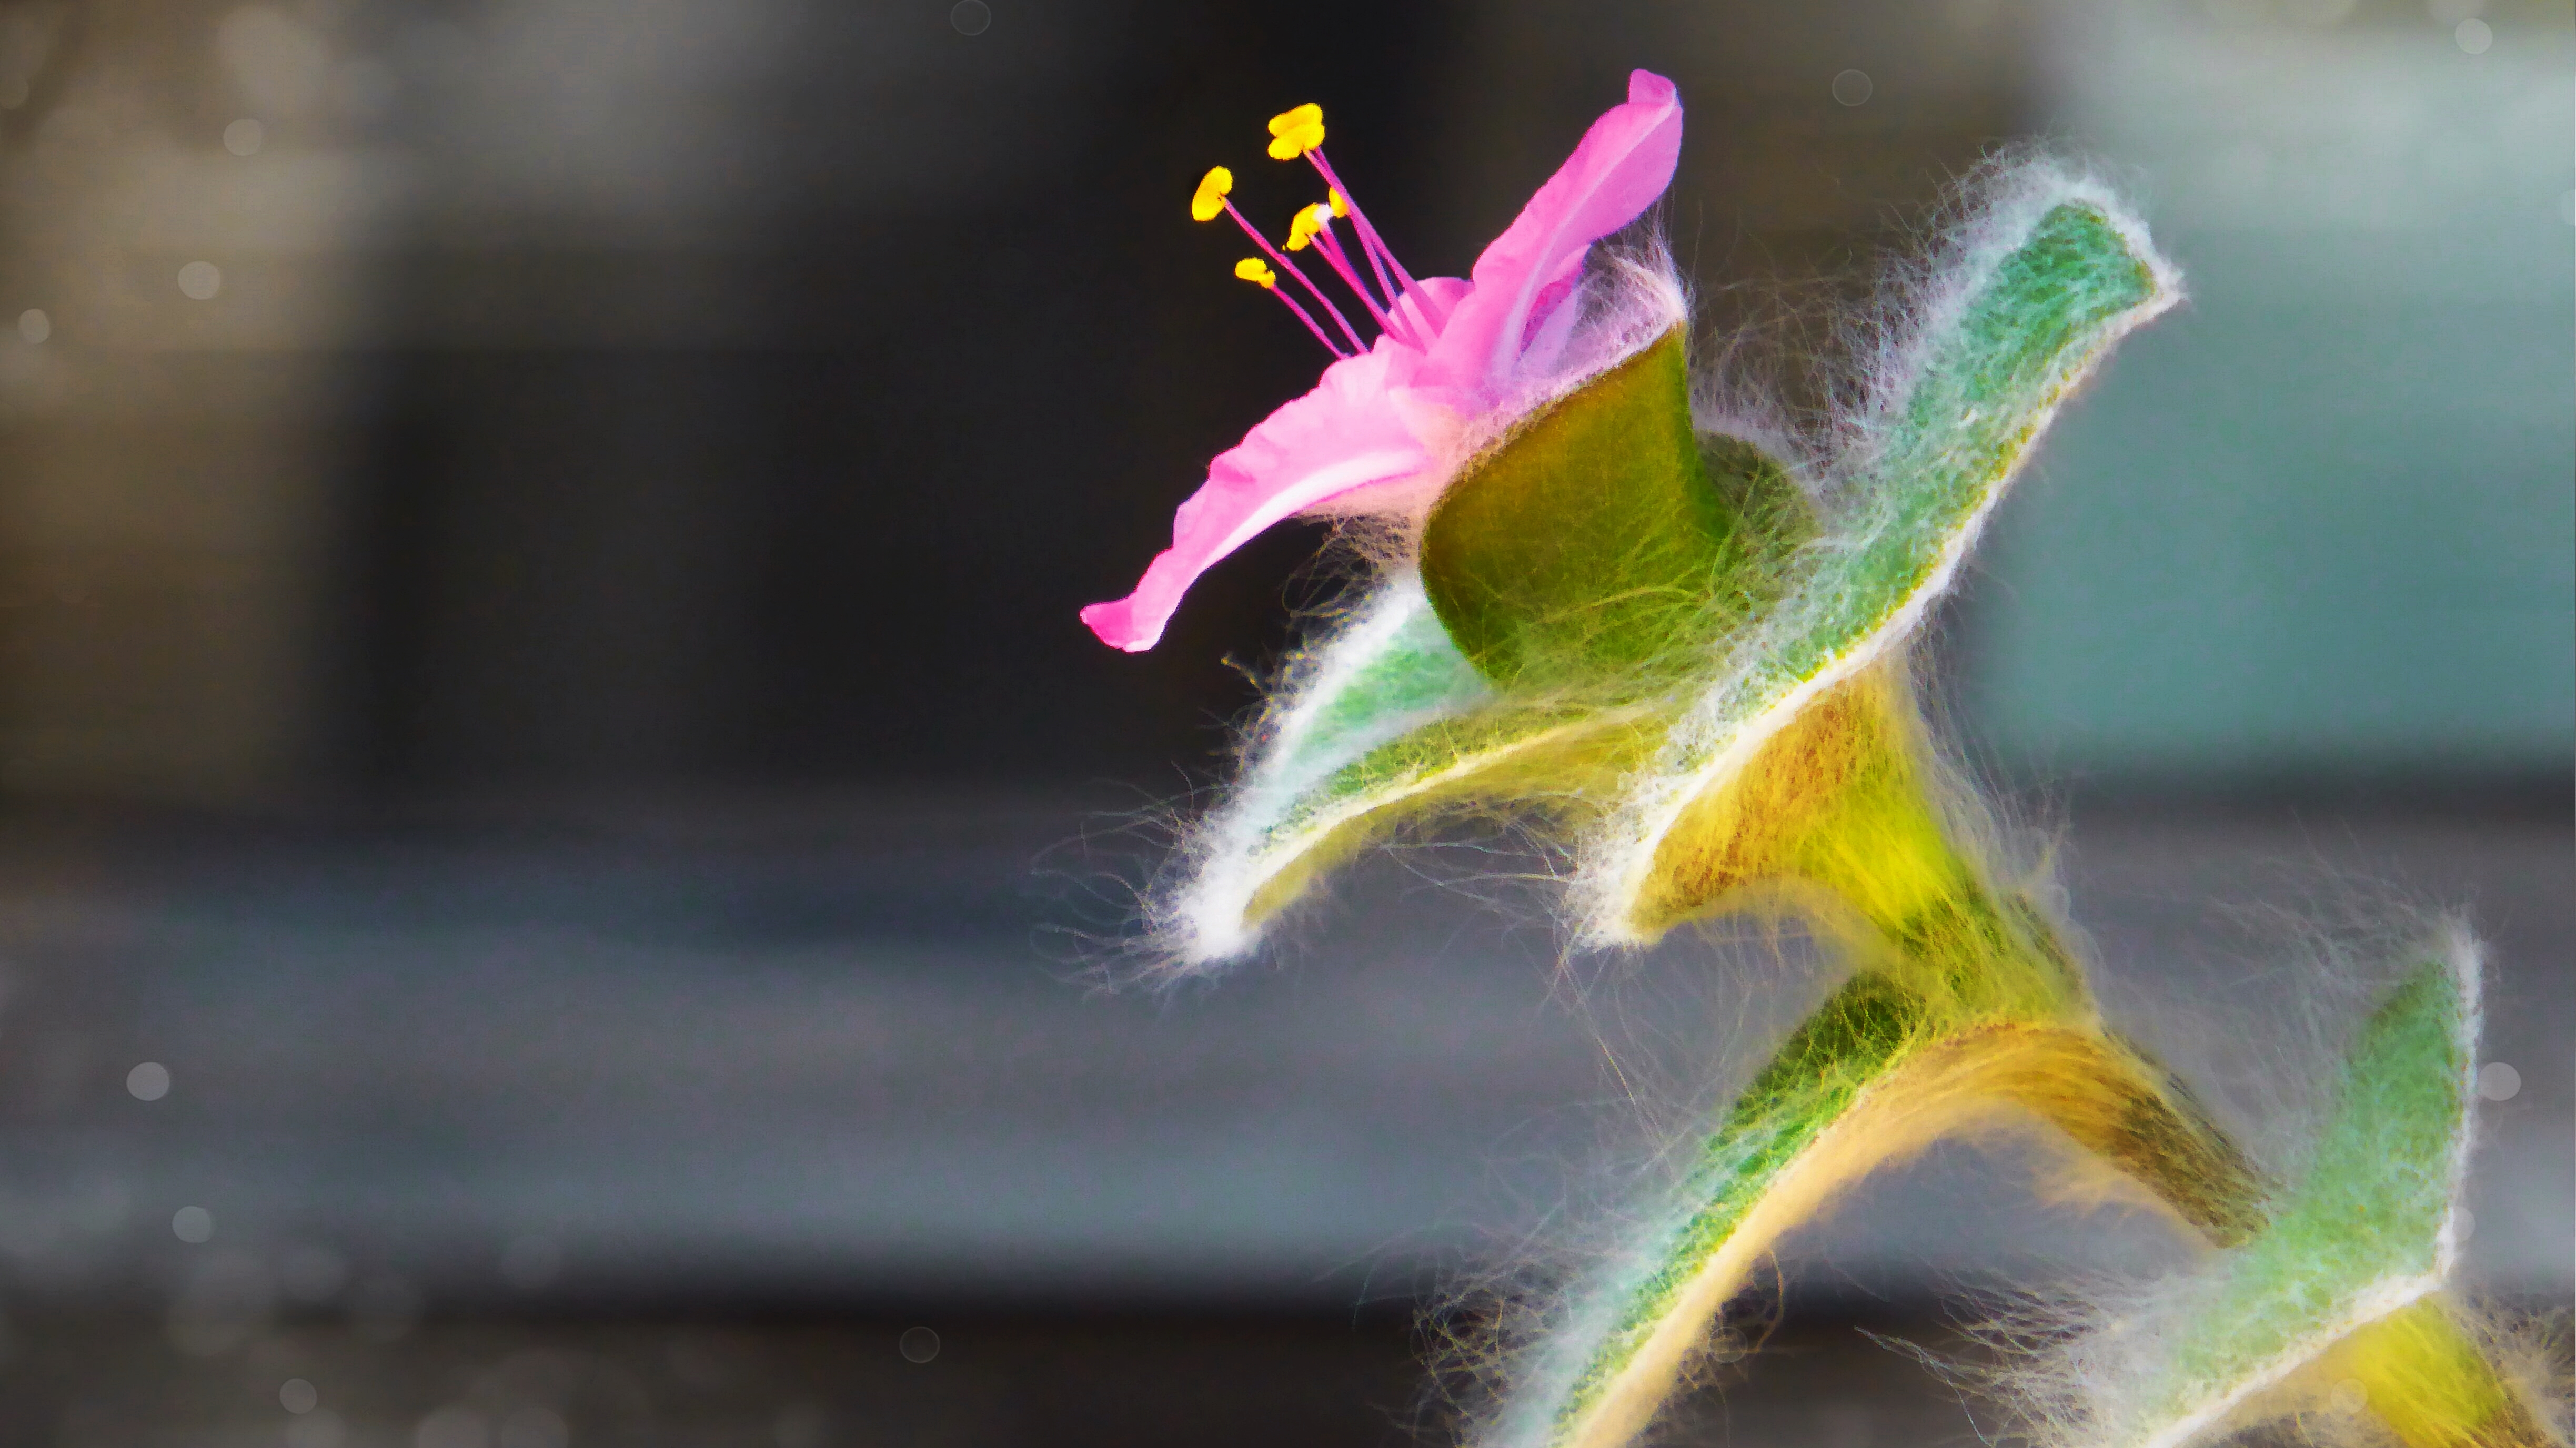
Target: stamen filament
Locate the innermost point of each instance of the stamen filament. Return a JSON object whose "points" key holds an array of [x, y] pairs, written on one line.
{"points": [[1252, 270], [1281, 259], [1331, 246], [1370, 241], [1342, 207]]}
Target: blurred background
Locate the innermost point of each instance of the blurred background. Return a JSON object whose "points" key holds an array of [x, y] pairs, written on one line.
{"points": [[557, 829]]}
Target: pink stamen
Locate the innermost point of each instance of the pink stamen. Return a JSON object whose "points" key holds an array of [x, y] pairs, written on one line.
{"points": [[1308, 318], [1331, 247], [1370, 241], [1280, 259], [1368, 248]]}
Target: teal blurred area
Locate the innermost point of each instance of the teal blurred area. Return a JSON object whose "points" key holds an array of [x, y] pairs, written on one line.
{"points": [[2317, 525]]}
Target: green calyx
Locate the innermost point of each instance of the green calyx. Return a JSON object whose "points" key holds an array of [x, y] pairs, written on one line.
{"points": [[1606, 545]]}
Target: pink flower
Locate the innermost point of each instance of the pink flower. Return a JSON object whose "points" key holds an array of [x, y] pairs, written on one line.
{"points": [[1453, 358]]}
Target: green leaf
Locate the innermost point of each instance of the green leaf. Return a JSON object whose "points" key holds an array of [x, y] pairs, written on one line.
{"points": [[1598, 543], [2364, 1235], [1382, 724], [1392, 670], [2029, 322]]}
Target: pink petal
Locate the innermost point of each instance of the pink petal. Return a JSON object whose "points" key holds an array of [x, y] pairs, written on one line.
{"points": [[1624, 162], [1345, 447], [1340, 438], [1426, 308]]}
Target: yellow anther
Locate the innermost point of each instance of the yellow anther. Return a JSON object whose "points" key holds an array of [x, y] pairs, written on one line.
{"points": [[1309, 114], [1308, 221], [1341, 203], [1210, 198], [1256, 271], [1294, 133]]}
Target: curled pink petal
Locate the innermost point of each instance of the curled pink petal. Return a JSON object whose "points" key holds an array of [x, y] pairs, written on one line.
{"points": [[1343, 436], [1624, 162]]}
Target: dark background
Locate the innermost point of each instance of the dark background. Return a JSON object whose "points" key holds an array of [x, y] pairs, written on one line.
{"points": [[550, 701]]}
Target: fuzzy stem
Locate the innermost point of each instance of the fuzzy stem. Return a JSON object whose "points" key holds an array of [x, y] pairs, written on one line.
{"points": [[1869, 1080], [1836, 819], [1967, 1012]]}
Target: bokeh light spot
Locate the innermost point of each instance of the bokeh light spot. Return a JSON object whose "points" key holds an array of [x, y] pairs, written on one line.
{"points": [[918, 1344], [151, 1080], [533, 1426], [1852, 87], [971, 17], [201, 280], [2474, 36], [296, 1395], [192, 1224], [454, 1426], [244, 137], [34, 325], [800, 1425], [2499, 1081]]}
